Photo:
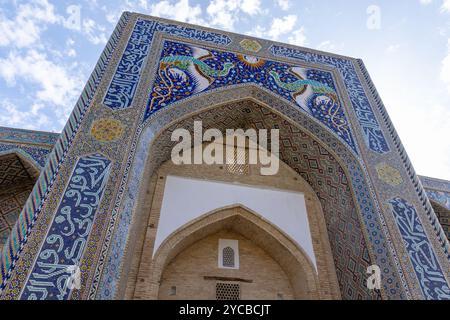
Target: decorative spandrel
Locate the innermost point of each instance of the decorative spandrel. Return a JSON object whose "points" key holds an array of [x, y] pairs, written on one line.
{"points": [[185, 70]]}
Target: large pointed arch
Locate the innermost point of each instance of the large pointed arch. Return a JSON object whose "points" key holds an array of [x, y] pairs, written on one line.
{"points": [[153, 147]]}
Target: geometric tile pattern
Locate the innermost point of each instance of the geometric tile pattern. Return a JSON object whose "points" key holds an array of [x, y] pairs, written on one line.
{"points": [[228, 291], [12, 200], [28, 136], [435, 184], [443, 215], [12, 171], [34, 145], [37, 154], [319, 168], [16, 182], [441, 197], [185, 70], [438, 192], [373, 134]]}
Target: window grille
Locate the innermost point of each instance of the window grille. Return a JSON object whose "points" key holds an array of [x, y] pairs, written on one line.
{"points": [[228, 291], [239, 164], [228, 257]]}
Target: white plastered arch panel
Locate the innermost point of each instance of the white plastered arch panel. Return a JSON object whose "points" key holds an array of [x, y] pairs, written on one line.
{"points": [[186, 199]]}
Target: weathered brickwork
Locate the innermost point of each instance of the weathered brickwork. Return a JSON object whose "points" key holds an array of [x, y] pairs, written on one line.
{"points": [[262, 277], [285, 179]]}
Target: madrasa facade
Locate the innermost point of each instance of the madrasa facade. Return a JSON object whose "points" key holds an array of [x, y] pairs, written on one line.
{"points": [[101, 210]]}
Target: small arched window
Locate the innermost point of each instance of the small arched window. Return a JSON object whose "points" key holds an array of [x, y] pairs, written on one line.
{"points": [[228, 257], [228, 254]]}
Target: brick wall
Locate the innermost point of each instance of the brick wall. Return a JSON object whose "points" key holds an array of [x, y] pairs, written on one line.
{"points": [[141, 269]]}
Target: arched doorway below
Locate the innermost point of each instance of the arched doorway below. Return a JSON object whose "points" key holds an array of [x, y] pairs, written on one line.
{"points": [[198, 272], [17, 178], [193, 263]]}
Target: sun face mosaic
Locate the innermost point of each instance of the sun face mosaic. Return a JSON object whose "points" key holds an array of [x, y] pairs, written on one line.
{"points": [[185, 70]]}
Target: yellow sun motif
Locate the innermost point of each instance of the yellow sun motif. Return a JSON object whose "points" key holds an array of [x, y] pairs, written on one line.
{"points": [[251, 61]]}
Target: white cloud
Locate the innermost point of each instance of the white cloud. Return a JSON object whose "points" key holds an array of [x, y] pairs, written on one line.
{"points": [[419, 113], [225, 13], [425, 2], [181, 11], [393, 48], [284, 4], [445, 71], [71, 52], [10, 115], [326, 45], [251, 7], [70, 42], [281, 26], [219, 13], [54, 83], [177, 10], [298, 37], [94, 32], [26, 27], [143, 4], [446, 6], [331, 46], [33, 18], [258, 31], [426, 147], [112, 17]]}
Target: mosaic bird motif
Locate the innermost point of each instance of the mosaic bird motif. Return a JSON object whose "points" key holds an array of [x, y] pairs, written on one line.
{"points": [[201, 73], [296, 86], [183, 62], [185, 70], [181, 68]]}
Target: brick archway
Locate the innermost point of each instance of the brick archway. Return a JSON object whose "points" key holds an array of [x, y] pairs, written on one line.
{"points": [[287, 180], [353, 219], [278, 245]]}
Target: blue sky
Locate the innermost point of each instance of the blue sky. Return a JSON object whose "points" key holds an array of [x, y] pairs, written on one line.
{"points": [[48, 49]]}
